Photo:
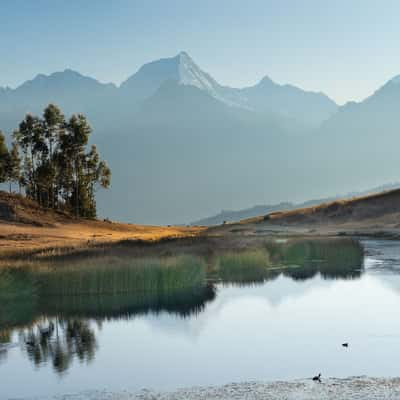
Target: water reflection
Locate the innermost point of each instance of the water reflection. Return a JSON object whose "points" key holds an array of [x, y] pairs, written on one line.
{"points": [[59, 343], [51, 306], [125, 306], [297, 259]]}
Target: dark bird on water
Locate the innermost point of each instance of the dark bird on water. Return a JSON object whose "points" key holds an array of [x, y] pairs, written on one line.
{"points": [[317, 378], [345, 344]]}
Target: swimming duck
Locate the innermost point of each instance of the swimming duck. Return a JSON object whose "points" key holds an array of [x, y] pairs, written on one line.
{"points": [[317, 378]]}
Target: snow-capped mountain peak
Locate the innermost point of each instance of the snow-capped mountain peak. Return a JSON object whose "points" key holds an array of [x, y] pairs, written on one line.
{"points": [[181, 69], [190, 74]]}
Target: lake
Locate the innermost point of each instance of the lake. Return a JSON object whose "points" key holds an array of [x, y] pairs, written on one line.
{"points": [[277, 312]]}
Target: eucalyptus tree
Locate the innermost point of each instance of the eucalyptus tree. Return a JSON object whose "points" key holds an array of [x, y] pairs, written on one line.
{"points": [[56, 167], [53, 128], [30, 140], [4, 157], [96, 173], [73, 144], [14, 165]]}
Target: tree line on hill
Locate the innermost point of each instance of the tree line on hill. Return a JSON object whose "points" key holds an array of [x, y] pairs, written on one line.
{"points": [[50, 160]]}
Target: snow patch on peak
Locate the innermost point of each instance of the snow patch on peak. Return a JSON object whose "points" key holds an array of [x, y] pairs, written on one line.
{"points": [[190, 74]]}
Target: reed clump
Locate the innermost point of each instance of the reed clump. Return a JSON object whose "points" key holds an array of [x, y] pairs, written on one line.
{"points": [[331, 252], [250, 266], [123, 275]]}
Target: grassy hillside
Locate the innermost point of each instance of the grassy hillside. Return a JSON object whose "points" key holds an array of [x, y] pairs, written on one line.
{"points": [[339, 211], [26, 227]]}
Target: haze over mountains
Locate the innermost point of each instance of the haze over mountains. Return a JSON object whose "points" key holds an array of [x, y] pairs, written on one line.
{"points": [[181, 146], [226, 216]]}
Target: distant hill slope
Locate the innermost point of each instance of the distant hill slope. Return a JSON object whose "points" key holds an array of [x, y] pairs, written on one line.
{"points": [[234, 216], [260, 210], [340, 211]]}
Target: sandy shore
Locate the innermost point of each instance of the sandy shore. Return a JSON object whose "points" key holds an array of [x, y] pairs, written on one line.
{"points": [[333, 388]]}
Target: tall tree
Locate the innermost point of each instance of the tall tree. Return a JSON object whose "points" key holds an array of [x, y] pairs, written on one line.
{"points": [[4, 155], [29, 137], [53, 126], [96, 173], [14, 165], [56, 167], [73, 146]]}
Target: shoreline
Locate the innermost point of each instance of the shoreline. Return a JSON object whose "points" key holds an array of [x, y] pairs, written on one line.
{"points": [[24, 241], [27, 229], [351, 388]]}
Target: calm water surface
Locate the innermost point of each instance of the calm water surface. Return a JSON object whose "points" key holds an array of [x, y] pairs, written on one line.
{"points": [[235, 323]]}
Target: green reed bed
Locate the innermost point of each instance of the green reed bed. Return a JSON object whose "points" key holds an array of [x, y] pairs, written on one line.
{"points": [[332, 258], [333, 252], [18, 297], [250, 266], [119, 284], [113, 286], [123, 275], [16, 284]]}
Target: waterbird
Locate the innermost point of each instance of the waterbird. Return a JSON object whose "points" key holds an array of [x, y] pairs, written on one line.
{"points": [[345, 344], [317, 378]]}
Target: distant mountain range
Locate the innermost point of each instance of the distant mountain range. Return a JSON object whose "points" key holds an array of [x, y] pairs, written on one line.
{"points": [[226, 216], [75, 92], [180, 144]]}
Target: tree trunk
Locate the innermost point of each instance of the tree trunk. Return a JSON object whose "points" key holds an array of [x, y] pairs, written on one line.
{"points": [[76, 190]]}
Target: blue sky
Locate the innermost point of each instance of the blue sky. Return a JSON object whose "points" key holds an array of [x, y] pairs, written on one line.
{"points": [[346, 49]]}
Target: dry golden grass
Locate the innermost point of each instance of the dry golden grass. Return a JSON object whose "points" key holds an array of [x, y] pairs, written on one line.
{"points": [[23, 238], [25, 227], [35, 229], [355, 208]]}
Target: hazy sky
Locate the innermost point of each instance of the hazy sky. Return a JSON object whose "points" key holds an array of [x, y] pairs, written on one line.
{"points": [[346, 49]]}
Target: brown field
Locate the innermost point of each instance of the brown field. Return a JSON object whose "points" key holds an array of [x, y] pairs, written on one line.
{"points": [[23, 238], [25, 228]]}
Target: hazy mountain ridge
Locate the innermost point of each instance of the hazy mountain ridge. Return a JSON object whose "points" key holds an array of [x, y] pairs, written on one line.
{"points": [[69, 85], [259, 210], [309, 108], [172, 132], [279, 99]]}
